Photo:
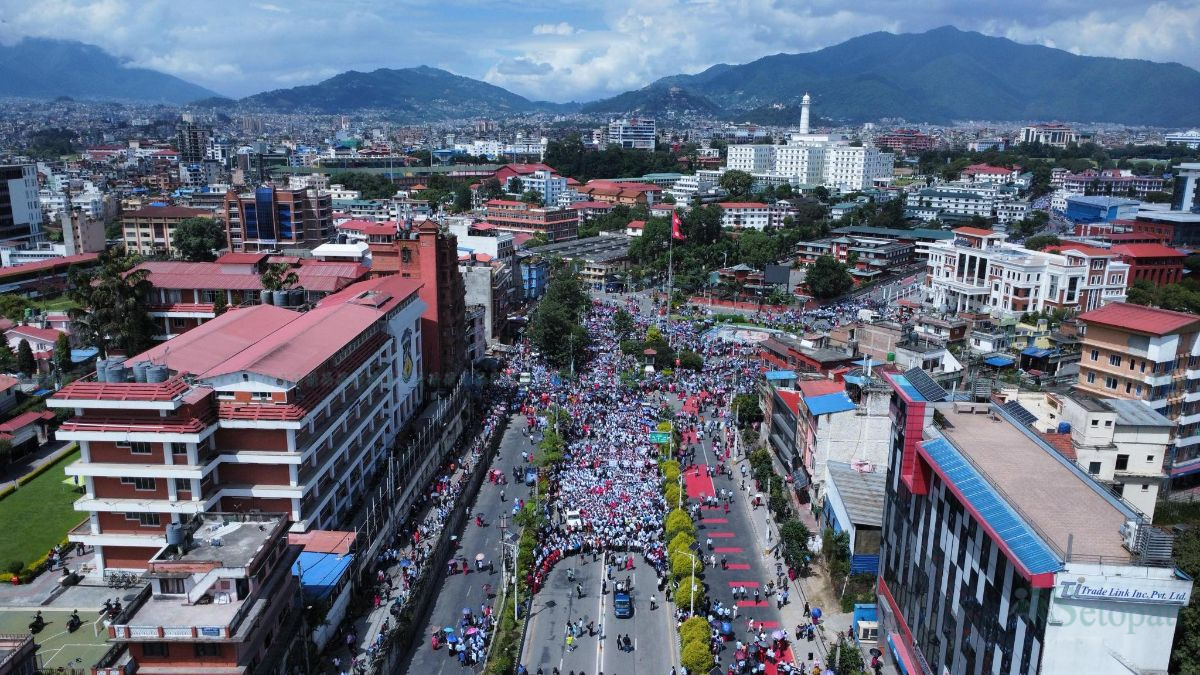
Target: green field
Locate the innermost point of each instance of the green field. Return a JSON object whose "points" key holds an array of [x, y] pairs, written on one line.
{"points": [[38, 515], [81, 649]]}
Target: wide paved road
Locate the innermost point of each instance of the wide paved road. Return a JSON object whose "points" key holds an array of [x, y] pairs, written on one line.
{"points": [[652, 631], [466, 590]]}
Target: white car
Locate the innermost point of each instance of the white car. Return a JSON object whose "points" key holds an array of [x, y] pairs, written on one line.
{"points": [[573, 519]]}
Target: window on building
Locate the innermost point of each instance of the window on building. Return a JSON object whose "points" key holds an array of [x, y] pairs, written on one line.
{"points": [[145, 519], [157, 650], [1091, 378], [1114, 360], [1095, 423], [1122, 462], [1110, 382], [139, 483], [172, 586], [183, 484], [1094, 468], [205, 650], [405, 255], [139, 448], [1108, 423], [1095, 354]]}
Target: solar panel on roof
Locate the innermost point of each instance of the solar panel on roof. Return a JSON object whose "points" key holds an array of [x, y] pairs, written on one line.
{"points": [[1018, 412], [930, 390]]}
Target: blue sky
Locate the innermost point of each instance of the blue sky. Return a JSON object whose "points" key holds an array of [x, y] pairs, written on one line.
{"points": [[564, 50]]}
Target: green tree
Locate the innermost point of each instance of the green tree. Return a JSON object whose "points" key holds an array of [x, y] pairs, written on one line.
{"points": [[757, 249], [1143, 292], [690, 360], [1157, 197], [794, 536], [695, 655], [62, 354], [462, 199], [8, 360], [746, 409], [220, 305], [6, 448], [515, 186], [821, 193], [532, 197], [26, 364], [490, 189], [846, 658], [1041, 241], [13, 306], [198, 239], [828, 278], [1185, 654], [623, 324], [557, 324], [739, 184], [110, 304], [278, 277]]}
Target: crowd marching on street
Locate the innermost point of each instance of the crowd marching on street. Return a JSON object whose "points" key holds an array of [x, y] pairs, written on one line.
{"points": [[402, 564]]}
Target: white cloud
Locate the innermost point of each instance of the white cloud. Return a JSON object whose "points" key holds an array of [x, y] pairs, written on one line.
{"points": [[561, 28], [572, 49]]}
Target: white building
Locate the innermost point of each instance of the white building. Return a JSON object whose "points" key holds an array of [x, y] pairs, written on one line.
{"points": [[337, 191], [1056, 135], [978, 271], [632, 132], [751, 158], [745, 215], [1120, 443], [546, 183], [850, 167], [955, 202], [1190, 139], [698, 184], [1010, 211]]}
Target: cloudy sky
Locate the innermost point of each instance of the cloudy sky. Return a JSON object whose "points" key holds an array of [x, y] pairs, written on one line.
{"points": [[559, 50]]}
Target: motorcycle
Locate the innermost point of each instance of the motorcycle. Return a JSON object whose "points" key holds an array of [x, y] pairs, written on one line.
{"points": [[37, 624], [74, 622]]}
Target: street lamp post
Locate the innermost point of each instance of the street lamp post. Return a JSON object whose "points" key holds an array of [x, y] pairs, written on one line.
{"points": [[680, 490], [692, 594]]}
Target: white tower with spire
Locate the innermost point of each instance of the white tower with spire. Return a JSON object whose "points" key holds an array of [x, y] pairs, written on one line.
{"points": [[804, 104]]}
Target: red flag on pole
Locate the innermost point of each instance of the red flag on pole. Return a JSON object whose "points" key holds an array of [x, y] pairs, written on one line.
{"points": [[676, 227]]}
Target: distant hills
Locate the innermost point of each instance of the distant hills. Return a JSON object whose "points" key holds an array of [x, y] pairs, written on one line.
{"points": [[44, 68], [413, 92], [938, 76]]}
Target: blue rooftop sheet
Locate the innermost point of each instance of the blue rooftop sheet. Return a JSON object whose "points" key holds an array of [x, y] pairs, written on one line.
{"points": [[1033, 553], [909, 390], [829, 403], [862, 363], [856, 379], [1036, 352], [81, 355], [999, 361], [781, 374], [320, 573]]}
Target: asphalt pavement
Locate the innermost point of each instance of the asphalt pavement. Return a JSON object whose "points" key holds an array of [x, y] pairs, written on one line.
{"points": [[458, 591]]}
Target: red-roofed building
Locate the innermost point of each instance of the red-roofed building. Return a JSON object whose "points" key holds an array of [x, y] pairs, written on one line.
{"points": [[504, 173], [635, 227], [513, 216], [986, 173], [1136, 352], [184, 293], [745, 215], [27, 429], [1155, 263], [41, 340], [260, 409], [10, 388], [591, 209], [629, 194]]}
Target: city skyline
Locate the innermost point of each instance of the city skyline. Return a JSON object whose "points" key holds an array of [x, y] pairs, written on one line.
{"points": [[571, 51]]}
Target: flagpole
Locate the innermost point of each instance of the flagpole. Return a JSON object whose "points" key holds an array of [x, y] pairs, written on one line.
{"points": [[670, 278]]}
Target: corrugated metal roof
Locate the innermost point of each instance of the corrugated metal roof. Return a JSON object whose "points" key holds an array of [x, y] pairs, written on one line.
{"points": [[828, 404], [861, 493], [1031, 552], [1137, 413]]}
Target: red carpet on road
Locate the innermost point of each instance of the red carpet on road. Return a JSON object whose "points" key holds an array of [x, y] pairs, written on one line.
{"points": [[738, 566], [727, 549], [751, 603], [700, 486], [786, 657], [720, 535], [770, 625], [714, 521], [747, 584]]}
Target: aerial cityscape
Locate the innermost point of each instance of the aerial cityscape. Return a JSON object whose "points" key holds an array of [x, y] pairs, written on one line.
{"points": [[671, 338]]}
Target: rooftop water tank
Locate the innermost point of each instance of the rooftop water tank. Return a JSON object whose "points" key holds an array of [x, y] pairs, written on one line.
{"points": [[264, 297], [157, 374], [1064, 427], [139, 371], [175, 535]]}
